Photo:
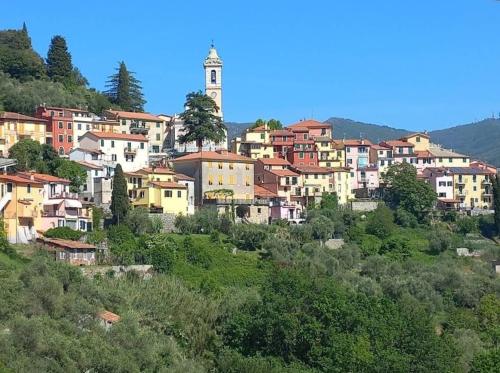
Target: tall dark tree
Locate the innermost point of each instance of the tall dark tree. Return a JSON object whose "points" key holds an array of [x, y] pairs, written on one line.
{"points": [[59, 65], [201, 121], [496, 201], [119, 198], [125, 90]]}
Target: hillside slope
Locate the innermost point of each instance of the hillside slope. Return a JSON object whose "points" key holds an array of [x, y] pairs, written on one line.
{"points": [[350, 129], [479, 140]]}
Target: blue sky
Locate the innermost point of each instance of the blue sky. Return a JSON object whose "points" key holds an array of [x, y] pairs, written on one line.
{"points": [[410, 64]]}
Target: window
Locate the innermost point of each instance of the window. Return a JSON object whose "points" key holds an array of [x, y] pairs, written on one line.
{"points": [[129, 145], [167, 193], [262, 136], [231, 166], [232, 179], [418, 139], [112, 143], [28, 188], [158, 124], [142, 145], [301, 155], [61, 138], [113, 157], [440, 159], [348, 149], [219, 165], [213, 77], [247, 167], [220, 179], [70, 125], [259, 210], [349, 161], [88, 127], [316, 176], [247, 180], [450, 183], [443, 195], [60, 125], [124, 122], [474, 188], [450, 160], [442, 183], [311, 155], [210, 180], [179, 194], [382, 162], [79, 126], [464, 160], [305, 136], [61, 151], [474, 178], [158, 137], [96, 172], [102, 142], [70, 138]]}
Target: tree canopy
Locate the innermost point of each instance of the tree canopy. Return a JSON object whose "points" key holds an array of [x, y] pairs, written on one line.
{"points": [[125, 90], [120, 203], [200, 120], [272, 124], [59, 65]]}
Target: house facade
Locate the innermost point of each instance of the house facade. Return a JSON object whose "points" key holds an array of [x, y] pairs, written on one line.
{"points": [[15, 127]]}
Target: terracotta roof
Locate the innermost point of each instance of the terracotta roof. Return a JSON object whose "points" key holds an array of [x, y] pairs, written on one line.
{"points": [[340, 169], [310, 123], [423, 154], [260, 191], [312, 170], [277, 143], [168, 185], [257, 129], [66, 244], [421, 134], [89, 165], [301, 141], [397, 143], [274, 161], [380, 147], [157, 170], [134, 115], [18, 180], [8, 115], [108, 316], [44, 177], [281, 133], [118, 136], [86, 150], [184, 177], [357, 142], [214, 156], [283, 172], [299, 129]]}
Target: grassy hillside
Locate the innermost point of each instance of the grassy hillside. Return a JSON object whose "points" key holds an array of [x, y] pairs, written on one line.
{"points": [[480, 140]]}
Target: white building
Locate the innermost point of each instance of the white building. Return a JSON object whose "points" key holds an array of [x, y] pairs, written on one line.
{"points": [[188, 181], [213, 88], [128, 150], [82, 123]]}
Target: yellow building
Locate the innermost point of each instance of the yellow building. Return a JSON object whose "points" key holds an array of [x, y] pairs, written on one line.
{"points": [[330, 152], [448, 158], [15, 127], [340, 183], [255, 143], [472, 187], [421, 141], [21, 206], [159, 190], [315, 181]]}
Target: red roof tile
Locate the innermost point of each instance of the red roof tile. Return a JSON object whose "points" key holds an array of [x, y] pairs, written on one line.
{"points": [[357, 142], [397, 143], [260, 191], [214, 156], [118, 136], [66, 244], [157, 170], [184, 177], [89, 165], [134, 115], [274, 161], [281, 133], [168, 185], [312, 170], [283, 172], [310, 123], [19, 180], [44, 177], [109, 316], [7, 115]]}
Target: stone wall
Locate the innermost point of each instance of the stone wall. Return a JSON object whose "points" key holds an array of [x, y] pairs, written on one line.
{"points": [[167, 220], [364, 205]]}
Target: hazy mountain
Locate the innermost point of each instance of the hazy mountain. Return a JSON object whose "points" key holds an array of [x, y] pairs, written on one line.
{"points": [[350, 129], [235, 129]]}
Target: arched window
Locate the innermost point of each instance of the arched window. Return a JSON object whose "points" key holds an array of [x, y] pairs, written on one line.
{"points": [[213, 76], [61, 151]]}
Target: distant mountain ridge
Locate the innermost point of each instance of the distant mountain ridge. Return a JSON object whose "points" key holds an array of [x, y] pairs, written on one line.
{"points": [[480, 140]]}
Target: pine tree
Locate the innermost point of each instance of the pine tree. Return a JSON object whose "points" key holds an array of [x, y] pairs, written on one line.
{"points": [[119, 197], [125, 90], [200, 120], [59, 65], [496, 201]]}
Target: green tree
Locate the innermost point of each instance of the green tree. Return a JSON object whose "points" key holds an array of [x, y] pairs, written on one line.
{"points": [[59, 65], [406, 191], [272, 124], [200, 120], [381, 222], [496, 201], [329, 201], [27, 152], [120, 202], [138, 221], [125, 90], [72, 171]]}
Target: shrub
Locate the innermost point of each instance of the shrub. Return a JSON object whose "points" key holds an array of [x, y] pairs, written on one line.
{"points": [[322, 228], [370, 245], [381, 222], [138, 221], [405, 219], [249, 236], [65, 233], [160, 251], [440, 241], [397, 246], [466, 225]]}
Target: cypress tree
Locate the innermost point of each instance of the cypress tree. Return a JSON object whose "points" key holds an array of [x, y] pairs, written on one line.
{"points": [[119, 197], [125, 90], [496, 201], [59, 65]]}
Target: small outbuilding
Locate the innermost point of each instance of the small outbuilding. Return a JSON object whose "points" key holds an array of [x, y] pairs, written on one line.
{"points": [[72, 252], [108, 319]]}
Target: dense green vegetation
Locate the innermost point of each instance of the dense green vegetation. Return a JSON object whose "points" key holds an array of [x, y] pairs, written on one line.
{"points": [[27, 80]]}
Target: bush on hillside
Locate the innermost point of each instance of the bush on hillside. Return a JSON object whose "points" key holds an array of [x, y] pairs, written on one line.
{"points": [[65, 233], [249, 236], [405, 219], [380, 222], [440, 241], [466, 225]]}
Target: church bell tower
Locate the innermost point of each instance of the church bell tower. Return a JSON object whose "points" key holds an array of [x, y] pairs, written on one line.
{"points": [[213, 77]]}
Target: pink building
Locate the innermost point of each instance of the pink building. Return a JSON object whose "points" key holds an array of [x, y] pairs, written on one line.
{"points": [[357, 157], [441, 181], [279, 207], [402, 151], [314, 128]]}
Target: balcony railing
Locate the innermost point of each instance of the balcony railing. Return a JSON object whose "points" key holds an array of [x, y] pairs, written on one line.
{"points": [[63, 195], [130, 151], [229, 201], [138, 128]]}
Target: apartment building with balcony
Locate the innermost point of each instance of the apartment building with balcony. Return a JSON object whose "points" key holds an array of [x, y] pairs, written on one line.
{"points": [[254, 143], [219, 177], [441, 181], [128, 150], [357, 156], [314, 128], [15, 127], [21, 206], [330, 153], [151, 126], [472, 187], [315, 181]]}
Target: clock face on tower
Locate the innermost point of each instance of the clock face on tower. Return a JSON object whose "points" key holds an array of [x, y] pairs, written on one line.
{"points": [[213, 94]]}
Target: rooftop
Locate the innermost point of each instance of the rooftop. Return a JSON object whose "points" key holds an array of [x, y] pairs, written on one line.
{"points": [[441, 152], [262, 192], [357, 142], [312, 170], [108, 316], [224, 156], [309, 123], [168, 185], [89, 165], [66, 244], [283, 172], [118, 136], [184, 177], [134, 115], [274, 161], [8, 115], [19, 180], [43, 178], [157, 170], [399, 143]]}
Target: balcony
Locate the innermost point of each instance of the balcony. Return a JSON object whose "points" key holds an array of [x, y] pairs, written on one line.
{"points": [[460, 182], [138, 128], [228, 201], [130, 151], [486, 182], [487, 193], [63, 195], [461, 193]]}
